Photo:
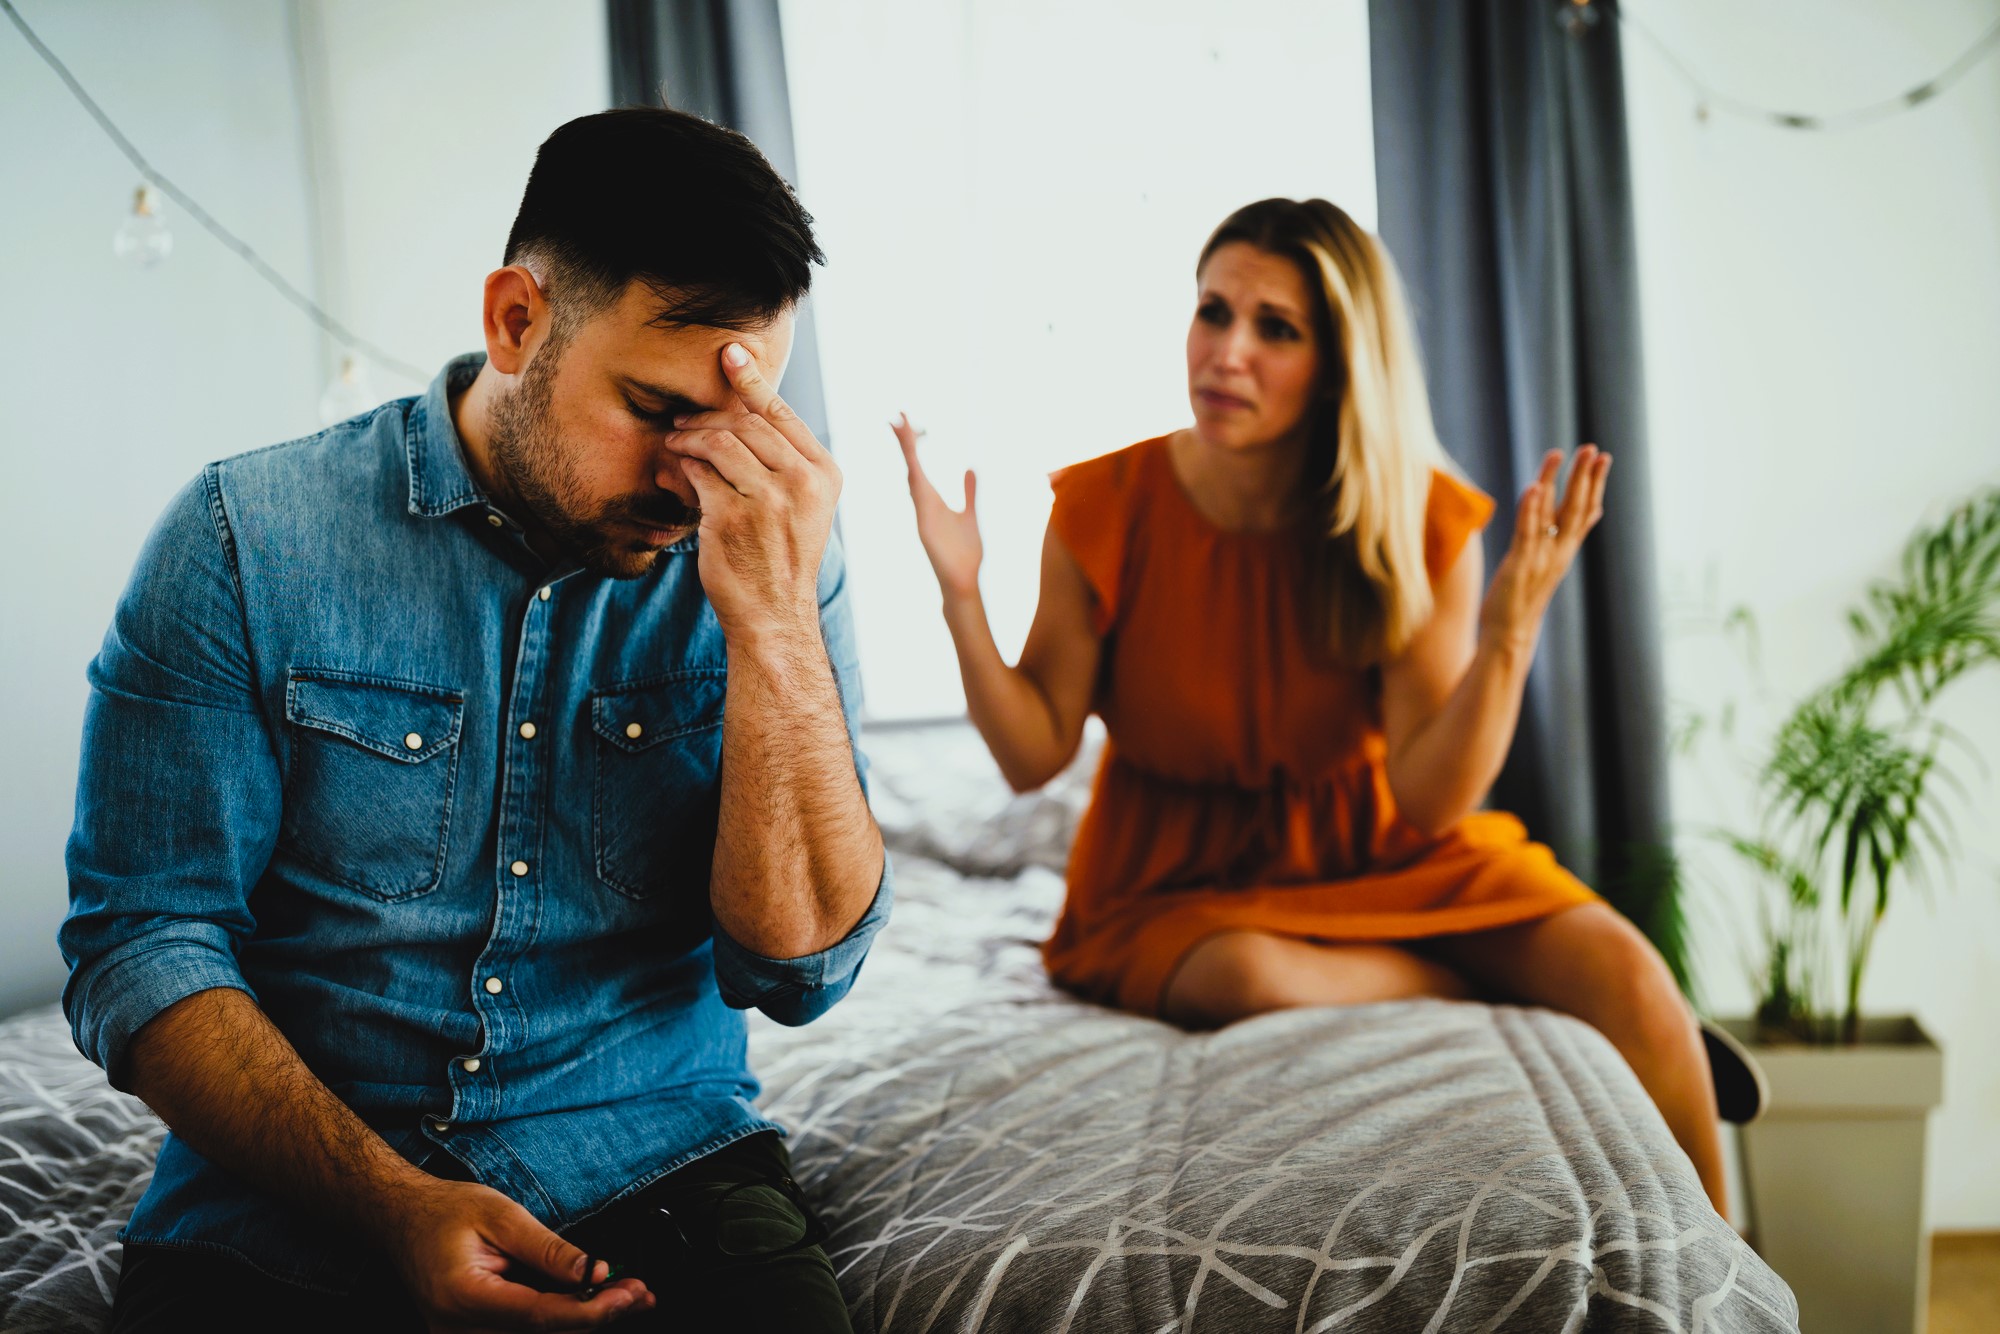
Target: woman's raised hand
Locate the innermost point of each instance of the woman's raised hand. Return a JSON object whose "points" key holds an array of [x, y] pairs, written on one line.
{"points": [[1547, 533], [950, 537]]}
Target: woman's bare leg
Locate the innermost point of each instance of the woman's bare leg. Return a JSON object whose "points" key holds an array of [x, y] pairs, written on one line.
{"points": [[1590, 961], [1237, 974]]}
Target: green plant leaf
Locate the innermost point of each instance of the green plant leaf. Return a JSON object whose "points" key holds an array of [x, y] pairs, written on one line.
{"points": [[1854, 795], [1942, 618]]}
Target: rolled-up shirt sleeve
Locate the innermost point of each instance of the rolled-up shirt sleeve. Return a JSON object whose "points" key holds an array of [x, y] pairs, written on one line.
{"points": [[178, 797], [798, 991]]}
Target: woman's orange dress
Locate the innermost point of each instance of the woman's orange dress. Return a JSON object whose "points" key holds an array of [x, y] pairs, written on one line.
{"points": [[1243, 786]]}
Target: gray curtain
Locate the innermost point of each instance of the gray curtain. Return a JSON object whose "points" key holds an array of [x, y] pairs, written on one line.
{"points": [[1506, 199], [723, 60]]}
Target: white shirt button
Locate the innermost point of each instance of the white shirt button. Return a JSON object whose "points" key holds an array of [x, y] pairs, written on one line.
{"points": [[633, 730], [470, 1065], [494, 986], [495, 520], [414, 741], [519, 868], [543, 595], [440, 1127], [527, 731]]}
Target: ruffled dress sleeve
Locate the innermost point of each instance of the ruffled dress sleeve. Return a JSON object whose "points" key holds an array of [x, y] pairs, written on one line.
{"points": [[1092, 518], [1455, 511]]}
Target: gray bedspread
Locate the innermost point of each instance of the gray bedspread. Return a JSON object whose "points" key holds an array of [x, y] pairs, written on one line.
{"points": [[992, 1155], [75, 1155]]}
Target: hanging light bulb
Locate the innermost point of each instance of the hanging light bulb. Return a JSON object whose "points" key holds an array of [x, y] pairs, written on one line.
{"points": [[143, 238], [349, 395], [1578, 17]]}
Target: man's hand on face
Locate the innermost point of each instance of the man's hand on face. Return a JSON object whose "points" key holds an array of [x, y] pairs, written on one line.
{"points": [[453, 1242], [767, 491]]}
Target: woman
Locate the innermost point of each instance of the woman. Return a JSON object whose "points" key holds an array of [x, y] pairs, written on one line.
{"points": [[1278, 612]]}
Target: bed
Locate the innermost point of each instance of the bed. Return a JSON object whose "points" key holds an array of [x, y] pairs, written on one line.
{"points": [[993, 1155]]}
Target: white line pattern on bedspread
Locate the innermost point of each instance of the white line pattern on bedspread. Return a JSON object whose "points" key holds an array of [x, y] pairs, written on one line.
{"points": [[993, 1156], [75, 1155]]}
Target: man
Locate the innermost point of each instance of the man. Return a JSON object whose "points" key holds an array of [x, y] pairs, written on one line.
{"points": [[453, 778]]}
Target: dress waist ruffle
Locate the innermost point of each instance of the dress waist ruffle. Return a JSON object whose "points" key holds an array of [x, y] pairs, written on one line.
{"points": [[1146, 832]]}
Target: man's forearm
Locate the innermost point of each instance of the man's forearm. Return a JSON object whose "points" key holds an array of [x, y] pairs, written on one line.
{"points": [[221, 1075], [797, 854]]}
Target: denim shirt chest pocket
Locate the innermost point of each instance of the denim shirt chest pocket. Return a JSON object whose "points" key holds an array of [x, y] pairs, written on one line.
{"points": [[658, 761], [369, 791]]}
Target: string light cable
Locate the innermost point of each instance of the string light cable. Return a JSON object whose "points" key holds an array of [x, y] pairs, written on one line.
{"points": [[1577, 16], [192, 207]]}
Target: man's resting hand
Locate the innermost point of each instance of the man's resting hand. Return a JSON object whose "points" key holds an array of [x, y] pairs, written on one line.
{"points": [[219, 1072], [454, 1243]]}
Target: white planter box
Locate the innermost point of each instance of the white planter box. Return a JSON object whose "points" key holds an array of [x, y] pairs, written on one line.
{"points": [[1835, 1173]]}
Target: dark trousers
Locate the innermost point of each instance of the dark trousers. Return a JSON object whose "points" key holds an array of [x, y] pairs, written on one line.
{"points": [[713, 1241]]}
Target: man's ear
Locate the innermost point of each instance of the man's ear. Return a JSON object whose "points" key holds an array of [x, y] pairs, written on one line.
{"points": [[516, 318]]}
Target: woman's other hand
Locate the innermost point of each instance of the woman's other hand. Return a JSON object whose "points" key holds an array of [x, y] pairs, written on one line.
{"points": [[950, 537], [1547, 534]]}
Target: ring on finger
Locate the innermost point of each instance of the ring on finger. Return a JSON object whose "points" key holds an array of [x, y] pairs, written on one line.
{"points": [[1553, 530]]}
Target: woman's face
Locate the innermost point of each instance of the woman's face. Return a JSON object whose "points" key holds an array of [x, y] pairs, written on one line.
{"points": [[1253, 363]]}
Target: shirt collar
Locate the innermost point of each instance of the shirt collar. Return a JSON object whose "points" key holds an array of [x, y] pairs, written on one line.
{"points": [[440, 481]]}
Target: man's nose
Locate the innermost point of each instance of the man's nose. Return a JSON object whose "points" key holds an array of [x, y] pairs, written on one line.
{"points": [[670, 474]]}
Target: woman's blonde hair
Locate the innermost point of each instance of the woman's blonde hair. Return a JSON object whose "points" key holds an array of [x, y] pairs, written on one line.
{"points": [[1372, 442]]}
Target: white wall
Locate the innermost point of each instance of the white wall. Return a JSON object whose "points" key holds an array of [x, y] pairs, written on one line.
{"points": [[1822, 321], [119, 384], [1011, 195], [431, 115]]}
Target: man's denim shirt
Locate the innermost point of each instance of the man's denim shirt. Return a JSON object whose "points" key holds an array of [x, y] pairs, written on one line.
{"points": [[445, 811]]}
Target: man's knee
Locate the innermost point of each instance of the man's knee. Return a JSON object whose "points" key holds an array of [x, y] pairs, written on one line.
{"points": [[726, 1242]]}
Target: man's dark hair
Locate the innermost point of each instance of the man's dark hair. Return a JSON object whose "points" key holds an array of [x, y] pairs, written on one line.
{"points": [[661, 197]]}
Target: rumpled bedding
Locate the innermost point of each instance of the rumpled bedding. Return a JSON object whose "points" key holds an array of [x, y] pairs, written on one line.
{"points": [[993, 1155]]}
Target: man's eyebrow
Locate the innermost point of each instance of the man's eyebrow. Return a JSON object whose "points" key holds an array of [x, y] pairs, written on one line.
{"points": [[673, 398]]}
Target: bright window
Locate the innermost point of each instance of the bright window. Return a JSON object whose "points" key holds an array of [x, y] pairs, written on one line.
{"points": [[1011, 195]]}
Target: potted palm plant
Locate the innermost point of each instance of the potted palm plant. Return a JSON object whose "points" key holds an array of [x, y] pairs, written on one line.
{"points": [[1855, 796]]}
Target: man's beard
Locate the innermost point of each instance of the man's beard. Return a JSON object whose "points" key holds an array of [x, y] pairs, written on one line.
{"points": [[539, 469]]}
